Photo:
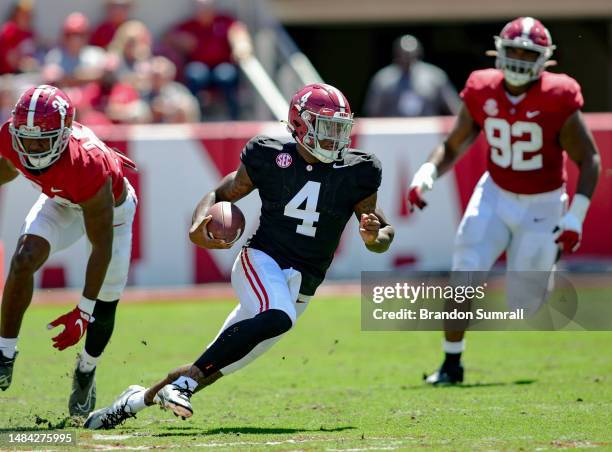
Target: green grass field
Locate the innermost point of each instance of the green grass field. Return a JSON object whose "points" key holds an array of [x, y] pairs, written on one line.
{"points": [[329, 386]]}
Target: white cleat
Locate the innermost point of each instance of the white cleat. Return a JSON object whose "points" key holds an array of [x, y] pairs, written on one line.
{"points": [[116, 414], [176, 399]]}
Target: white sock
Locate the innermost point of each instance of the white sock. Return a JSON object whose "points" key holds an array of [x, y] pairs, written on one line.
{"points": [[137, 402], [453, 347], [87, 363], [186, 382], [8, 346]]}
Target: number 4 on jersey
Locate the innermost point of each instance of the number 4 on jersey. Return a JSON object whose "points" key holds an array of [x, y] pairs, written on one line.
{"points": [[310, 194]]}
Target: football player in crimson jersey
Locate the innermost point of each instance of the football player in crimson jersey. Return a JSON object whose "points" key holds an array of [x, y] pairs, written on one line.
{"points": [[84, 192], [529, 116], [309, 189]]}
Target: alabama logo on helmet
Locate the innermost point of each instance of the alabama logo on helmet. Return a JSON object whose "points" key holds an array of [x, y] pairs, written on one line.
{"points": [[320, 120], [527, 34], [42, 113]]}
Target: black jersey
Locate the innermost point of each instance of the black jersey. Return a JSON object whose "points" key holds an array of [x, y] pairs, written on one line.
{"points": [[305, 207]]}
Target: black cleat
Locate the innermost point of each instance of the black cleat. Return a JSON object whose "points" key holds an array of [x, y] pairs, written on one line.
{"points": [[83, 396], [446, 375], [6, 370]]}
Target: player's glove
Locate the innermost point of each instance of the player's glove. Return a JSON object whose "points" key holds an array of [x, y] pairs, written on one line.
{"points": [[75, 323], [569, 230], [422, 181]]}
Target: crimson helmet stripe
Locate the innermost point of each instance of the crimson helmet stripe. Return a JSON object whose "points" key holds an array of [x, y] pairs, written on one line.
{"points": [[32, 107]]}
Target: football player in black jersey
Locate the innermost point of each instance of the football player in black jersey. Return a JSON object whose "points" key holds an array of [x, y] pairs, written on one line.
{"points": [[309, 188]]}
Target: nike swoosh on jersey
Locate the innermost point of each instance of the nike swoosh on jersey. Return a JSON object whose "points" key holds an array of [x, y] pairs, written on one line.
{"points": [[532, 114], [339, 166], [56, 190]]}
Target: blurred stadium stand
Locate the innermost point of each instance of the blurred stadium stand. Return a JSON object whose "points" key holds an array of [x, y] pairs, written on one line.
{"points": [[349, 40]]}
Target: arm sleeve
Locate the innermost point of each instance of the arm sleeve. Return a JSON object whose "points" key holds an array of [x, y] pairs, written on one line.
{"points": [[369, 178]]}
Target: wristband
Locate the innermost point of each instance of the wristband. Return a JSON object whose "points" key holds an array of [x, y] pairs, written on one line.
{"points": [[428, 170], [86, 305], [579, 206]]}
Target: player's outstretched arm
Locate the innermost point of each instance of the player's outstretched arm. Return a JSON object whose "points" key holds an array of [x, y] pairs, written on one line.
{"points": [[234, 186], [374, 229], [578, 142], [98, 219], [7, 171], [443, 157]]}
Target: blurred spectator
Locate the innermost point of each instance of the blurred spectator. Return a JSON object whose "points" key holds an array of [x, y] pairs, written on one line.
{"points": [[409, 86], [8, 96], [17, 45], [117, 12], [109, 100], [170, 101], [74, 62], [211, 43], [132, 45]]}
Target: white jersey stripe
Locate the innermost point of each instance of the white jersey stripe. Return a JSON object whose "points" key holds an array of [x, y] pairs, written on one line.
{"points": [[32, 106]]}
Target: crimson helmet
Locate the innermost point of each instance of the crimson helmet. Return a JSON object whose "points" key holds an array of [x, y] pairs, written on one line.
{"points": [[523, 33], [320, 119], [43, 112]]}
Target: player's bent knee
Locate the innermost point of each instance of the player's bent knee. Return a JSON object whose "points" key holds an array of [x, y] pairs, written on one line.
{"points": [[274, 322], [31, 253]]}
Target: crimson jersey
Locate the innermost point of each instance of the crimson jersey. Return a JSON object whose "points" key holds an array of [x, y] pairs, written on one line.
{"points": [[80, 172], [525, 155]]}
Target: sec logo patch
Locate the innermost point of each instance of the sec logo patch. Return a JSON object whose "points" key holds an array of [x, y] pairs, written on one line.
{"points": [[284, 160], [490, 107]]}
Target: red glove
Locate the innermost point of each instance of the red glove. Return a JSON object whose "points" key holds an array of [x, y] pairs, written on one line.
{"points": [[422, 181], [568, 240], [569, 230], [415, 199], [75, 323]]}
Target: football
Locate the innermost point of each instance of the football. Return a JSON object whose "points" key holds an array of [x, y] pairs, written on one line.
{"points": [[227, 222]]}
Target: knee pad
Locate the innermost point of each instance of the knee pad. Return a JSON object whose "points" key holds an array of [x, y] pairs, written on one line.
{"points": [[272, 323]]}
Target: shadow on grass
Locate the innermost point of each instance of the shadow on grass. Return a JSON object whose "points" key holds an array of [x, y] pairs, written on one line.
{"points": [[248, 431], [473, 385]]}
